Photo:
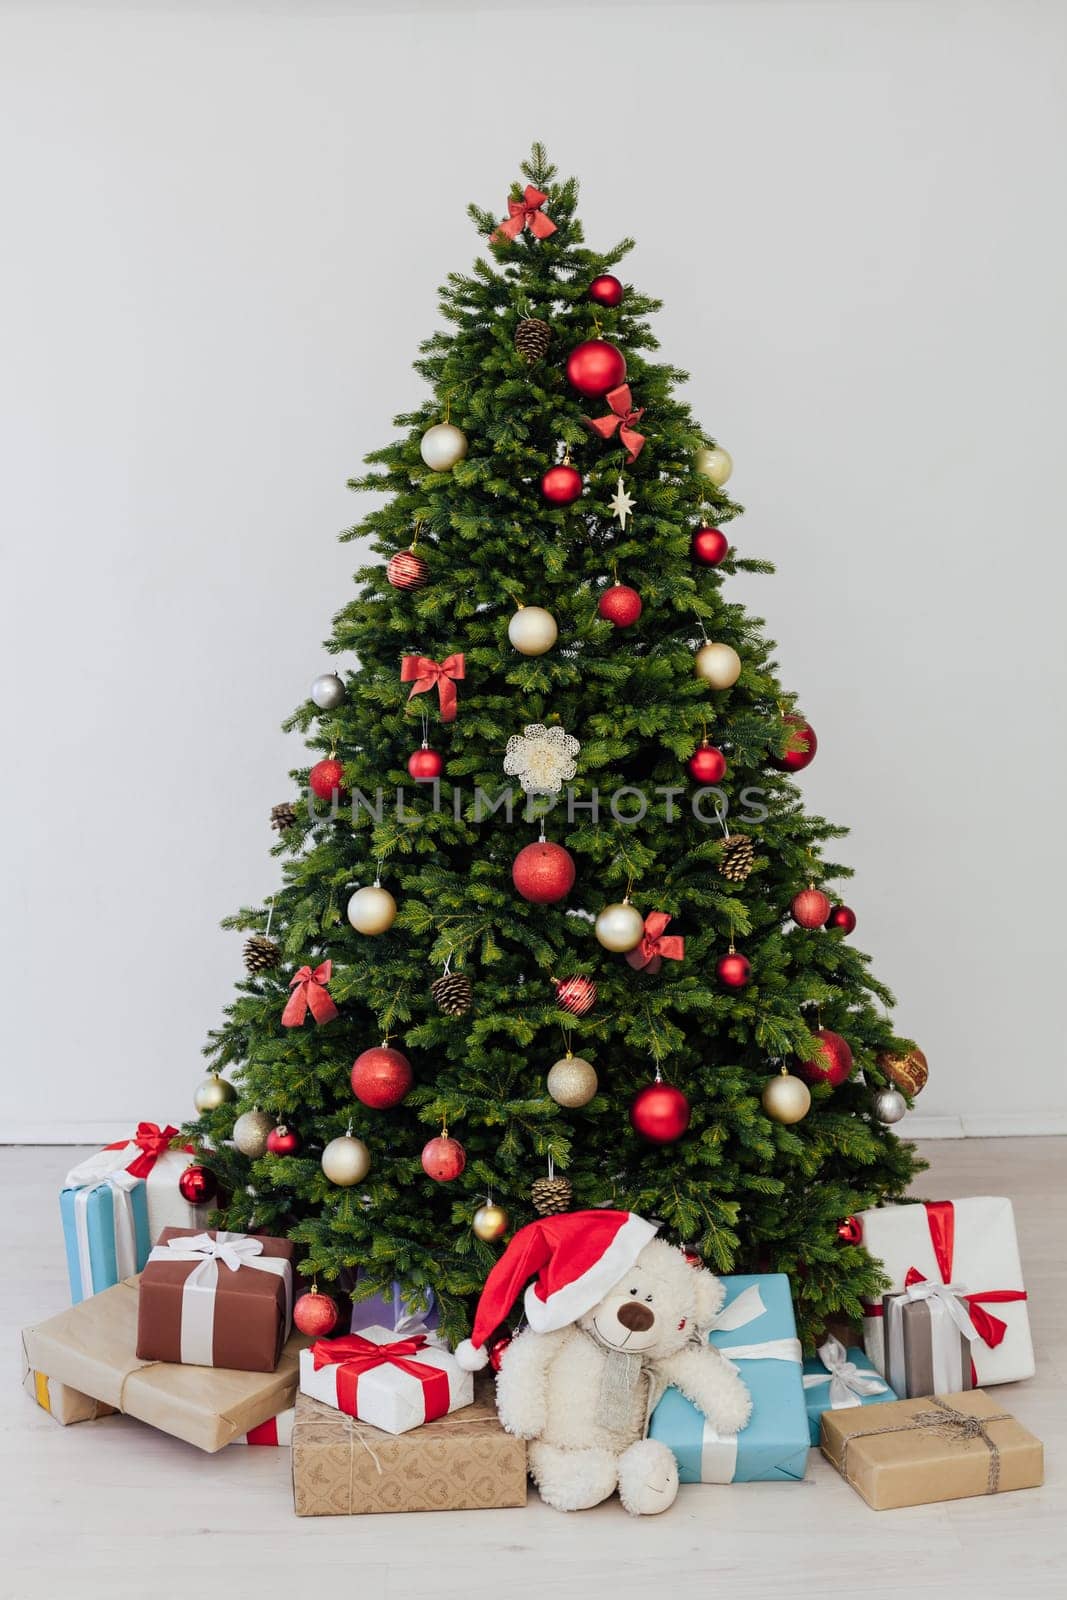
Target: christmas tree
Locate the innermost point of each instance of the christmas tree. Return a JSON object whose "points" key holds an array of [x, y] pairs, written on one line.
{"points": [[562, 870]]}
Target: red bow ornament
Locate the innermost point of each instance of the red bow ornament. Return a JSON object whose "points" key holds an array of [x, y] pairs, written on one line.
{"points": [[526, 213], [622, 417], [422, 674], [309, 994], [655, 946], [354, 1356], [152, 1141]]}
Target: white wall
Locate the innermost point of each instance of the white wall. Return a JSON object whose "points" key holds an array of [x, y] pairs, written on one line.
{"points": [[221, 238]]}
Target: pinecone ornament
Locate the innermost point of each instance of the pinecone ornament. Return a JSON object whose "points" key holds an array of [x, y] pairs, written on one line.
{"points": [[738, 854], [532, 339], [453, 993], [283, 816], [550, 1196], [261, 954]]}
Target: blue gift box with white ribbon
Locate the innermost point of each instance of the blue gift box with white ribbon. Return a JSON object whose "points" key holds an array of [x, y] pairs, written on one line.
{"points": [[756, 1331], [105, 1230], [836, 1378]]}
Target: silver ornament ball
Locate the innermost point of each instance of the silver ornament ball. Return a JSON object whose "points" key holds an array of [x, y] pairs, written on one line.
{"points": [[715, 463], [442, 446], [620, 927], [213, 1093], [328, 692], [532, 630], [718, 664], [346, 1160], [889, 1105], [572, 1081], [372, 909], [250, 1133]]}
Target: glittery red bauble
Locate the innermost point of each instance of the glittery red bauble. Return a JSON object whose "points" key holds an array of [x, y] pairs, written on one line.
{"points": [[850, 1231], [406, 570], [381, 1077], [810, 908], [660, 1113], [842, 917], [325, 777], [283, 1141], [197, 1185], [692, 1259], [496, 1351], [443, 1159], [543, 872], [316, 1315], [595, 367], [709, 546], [795, 760], [706, 764], [733, 969], [426, 763], [606, 290], [577, 995], [561, 485], [620, 604], [832, 1062]]}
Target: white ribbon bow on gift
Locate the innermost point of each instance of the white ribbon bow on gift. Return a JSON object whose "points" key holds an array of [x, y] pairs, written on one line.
{"points": [[122, 1185], [718, 1451], [949, 1294], [849, 1384], [234, 1250]]}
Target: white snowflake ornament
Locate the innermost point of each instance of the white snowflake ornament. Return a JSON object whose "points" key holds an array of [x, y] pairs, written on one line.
{"points": [[541, 758]]}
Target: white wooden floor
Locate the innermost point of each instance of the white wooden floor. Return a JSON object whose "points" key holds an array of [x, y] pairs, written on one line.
{"points": [[114, 1509]]}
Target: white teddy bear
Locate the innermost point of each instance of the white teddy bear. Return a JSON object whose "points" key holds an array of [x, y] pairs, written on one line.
{"points": [[615, 1315]]}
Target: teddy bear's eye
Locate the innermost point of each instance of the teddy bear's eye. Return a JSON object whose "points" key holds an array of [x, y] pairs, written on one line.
{"points": [[633, 1291]]}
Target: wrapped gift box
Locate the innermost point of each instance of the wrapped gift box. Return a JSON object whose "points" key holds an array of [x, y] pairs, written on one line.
{"points": [[65, 1404], [394, 1384], [216, 1299], [927, 1336], [405, 1314], [462, 1462], [756, 1330], [915, 1452], [837, 1379], [277, 1431], [105, 1230], [971, 1246], [91, 1348]]}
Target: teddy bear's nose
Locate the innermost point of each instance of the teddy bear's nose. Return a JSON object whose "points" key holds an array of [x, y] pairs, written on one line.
{"points": [[635, 1317]]}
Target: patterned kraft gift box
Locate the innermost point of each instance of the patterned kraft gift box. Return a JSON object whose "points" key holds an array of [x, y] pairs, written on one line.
{"points": [[65, 1404], [967, 1247], [394, 1384], [944, 1447], [756, 1330], [90, 1347], [216, 1299], [836, 1379], [462, 1462]]}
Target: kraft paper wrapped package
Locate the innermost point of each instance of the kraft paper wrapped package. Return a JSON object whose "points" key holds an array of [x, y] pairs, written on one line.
{"points": [[64, 1404], [755, 1330], [216, 1299], [91, 1348], [464, 1461], [963, 1256], [394, 1384], [944, 1447], [836, 1379]]}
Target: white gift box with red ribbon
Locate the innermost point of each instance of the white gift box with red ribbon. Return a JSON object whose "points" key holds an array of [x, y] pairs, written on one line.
{"points": [[394, 1384], [275, 1431]]}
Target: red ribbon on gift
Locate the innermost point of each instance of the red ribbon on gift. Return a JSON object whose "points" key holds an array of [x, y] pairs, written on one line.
{"points": [[526, 213], [309, 994], [423, 674], [353, 1356], [622, 417], [653, 943], [153, 1141]]}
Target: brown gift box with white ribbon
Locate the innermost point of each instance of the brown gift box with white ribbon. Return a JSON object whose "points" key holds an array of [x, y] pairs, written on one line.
{"points": [[216, 1299], [943, 1447]]}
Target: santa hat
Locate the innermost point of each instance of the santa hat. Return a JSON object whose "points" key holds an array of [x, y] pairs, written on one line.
{"points": [[576, 1258]]}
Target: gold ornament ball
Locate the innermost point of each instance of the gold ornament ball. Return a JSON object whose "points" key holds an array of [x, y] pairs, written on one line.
{"points": [[909, 1072], [213, 1093], [718, 664], [490, 1222], [620, 927], [372, 909], [346, 1160], [714, 463], [442, 446], [572, 1081], [785, 1098], [250, 1133], [532, 630]]}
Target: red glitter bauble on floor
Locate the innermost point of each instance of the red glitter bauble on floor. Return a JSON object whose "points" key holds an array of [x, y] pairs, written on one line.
{"points": [[810, 908], [596, 366], [660, 1113], [561, 485], [800, 733], [406, 570], [850, 1231], [606, 290], [381, 1077], [577, 995], [543, 872], [426, 763], [706, 764], [443, 1158], [733, 969], [832, 1062], [620, 604], [842, 917], [283, 1140], [315, 1314], [197, 1185], [325, 777], [709, 546]]}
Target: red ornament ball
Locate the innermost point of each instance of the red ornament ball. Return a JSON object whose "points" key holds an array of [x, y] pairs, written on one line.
{"points": [[709, 546], [381, 1077], [660, 1113], [706, 764], [496, 1351], [426, 763], [197, 1185], [406, 570], [796, 759], [832, 1062], [443, 1158], [283, 1140], [620, 604], [691, 1258], [842, 917], [577, 995], [543, 872], [561, 485], [850, 1231], [596, 366], [325, 777], [810, 908], [315, 1314], [733, 969], [606, 290]]}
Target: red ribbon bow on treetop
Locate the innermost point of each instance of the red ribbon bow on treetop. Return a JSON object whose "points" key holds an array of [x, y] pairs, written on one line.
{"points": [[622, 416], [309, 994], [353, 1356], [153, 1141], [654, 946], [526, 213], [422, 674]]}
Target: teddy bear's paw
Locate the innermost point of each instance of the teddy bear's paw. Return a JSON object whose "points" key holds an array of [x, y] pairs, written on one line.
{"points": [[572, 1480], [648, 1478]]}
